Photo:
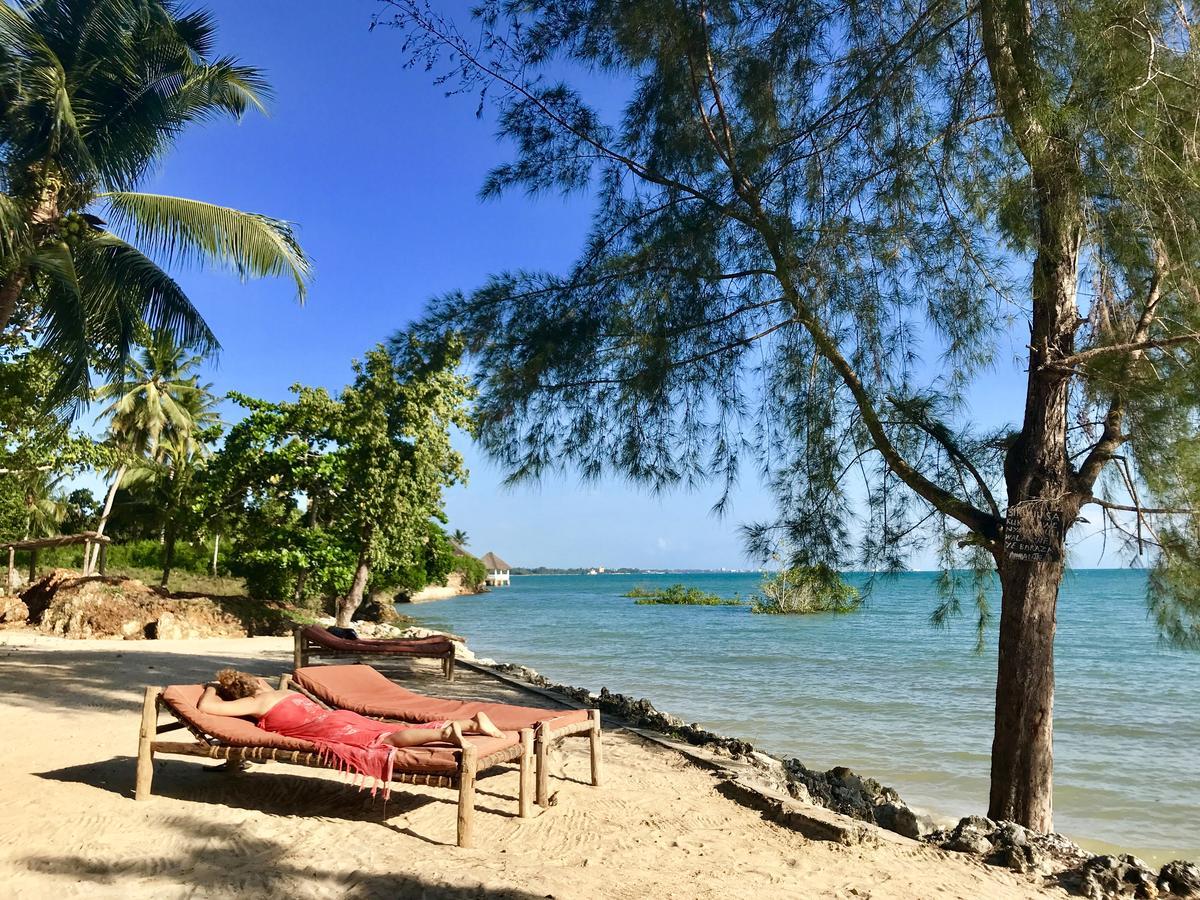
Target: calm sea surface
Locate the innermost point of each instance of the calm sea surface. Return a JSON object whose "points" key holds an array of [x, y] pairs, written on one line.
{"points": [[881, 691]]}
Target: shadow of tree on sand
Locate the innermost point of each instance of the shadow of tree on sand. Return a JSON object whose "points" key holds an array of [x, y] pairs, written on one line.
{"points": [[59, 677], [223, 860]]}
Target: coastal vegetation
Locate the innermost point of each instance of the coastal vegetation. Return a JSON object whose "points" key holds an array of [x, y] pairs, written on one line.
{"points": [[805, 589], [815, 229], [308, 503], [679, 595], [94, 96]]}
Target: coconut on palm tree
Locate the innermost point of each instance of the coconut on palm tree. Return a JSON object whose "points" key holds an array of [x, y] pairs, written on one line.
{"points": [[92, 95]]}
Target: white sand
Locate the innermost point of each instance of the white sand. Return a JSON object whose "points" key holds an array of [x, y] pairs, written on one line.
{"points": [[69, 714]]}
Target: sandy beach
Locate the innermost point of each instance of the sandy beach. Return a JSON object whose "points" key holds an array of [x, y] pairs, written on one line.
{"points": [[69, 826]]}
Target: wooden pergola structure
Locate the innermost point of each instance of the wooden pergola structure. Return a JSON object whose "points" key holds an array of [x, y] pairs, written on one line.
{"points": [[87, 538]]}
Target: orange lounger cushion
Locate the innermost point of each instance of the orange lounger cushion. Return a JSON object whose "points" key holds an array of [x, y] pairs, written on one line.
{"points": [[429, 759], [366, 691]]}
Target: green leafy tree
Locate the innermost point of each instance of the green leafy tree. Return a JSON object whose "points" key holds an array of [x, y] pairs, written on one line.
{"points": [[395, 437], [815, 225], [278, 457], [37, 450], [321, 495], [92, 96]]}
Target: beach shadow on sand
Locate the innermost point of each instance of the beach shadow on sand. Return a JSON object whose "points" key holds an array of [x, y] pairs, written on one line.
{"points": [[270, 789], [220, 860], [58, 677]]}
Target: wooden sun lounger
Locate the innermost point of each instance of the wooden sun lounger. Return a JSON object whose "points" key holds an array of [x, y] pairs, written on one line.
{"points": [[313, 640], [238, 740], [368, 692]]}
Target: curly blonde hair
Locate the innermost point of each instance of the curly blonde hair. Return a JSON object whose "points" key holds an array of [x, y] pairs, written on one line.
{"points": [[233, 685]]}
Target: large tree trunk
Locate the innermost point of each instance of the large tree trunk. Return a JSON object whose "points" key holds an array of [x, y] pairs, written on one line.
{"points": [[1023, 746], [348, 605], [1038, 475], [90, 564]]}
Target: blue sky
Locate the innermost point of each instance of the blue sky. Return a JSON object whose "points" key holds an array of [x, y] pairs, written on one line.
{"points": [[381, 171]]}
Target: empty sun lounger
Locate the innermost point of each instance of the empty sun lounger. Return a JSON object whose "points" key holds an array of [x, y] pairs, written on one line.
{"points": [[366, 691], [313, 640], [223, 737]]}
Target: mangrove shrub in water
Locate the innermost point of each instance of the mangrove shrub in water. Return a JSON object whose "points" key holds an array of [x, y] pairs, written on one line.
{"points": [[679, 595], [806, 589]]}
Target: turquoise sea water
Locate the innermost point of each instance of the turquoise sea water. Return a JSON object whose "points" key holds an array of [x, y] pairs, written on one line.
{"points": [[881, 691]]}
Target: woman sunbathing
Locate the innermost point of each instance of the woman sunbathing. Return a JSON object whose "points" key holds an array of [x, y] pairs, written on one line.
{"points": [[293, 715]]}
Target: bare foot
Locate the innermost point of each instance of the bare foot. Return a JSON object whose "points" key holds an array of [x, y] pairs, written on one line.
{"points": [[452, 734], [484, 725]]}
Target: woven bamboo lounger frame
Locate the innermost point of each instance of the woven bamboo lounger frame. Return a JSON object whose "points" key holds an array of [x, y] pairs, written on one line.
{"points": [[544, 740], [470, 763], [305, 648]]}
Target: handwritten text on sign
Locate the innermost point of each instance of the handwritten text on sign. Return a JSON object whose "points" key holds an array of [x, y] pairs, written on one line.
{"points": [[1033, 531]]}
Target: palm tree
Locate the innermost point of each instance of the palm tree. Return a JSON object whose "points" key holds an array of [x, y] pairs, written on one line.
{"points": [[168, 475], [160, 394], [157, 414], [44, 510], [460, 538], [92, 95]]}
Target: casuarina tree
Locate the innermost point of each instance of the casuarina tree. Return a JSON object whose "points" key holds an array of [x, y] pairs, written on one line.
{"points": [[816, 223]]}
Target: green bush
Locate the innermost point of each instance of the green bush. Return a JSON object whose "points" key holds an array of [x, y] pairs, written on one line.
{"points": [[680, 595], [295, 564], [806, 589], [473, 571]]}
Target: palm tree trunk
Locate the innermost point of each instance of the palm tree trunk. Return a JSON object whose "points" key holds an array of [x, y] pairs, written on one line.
{"points": [[90, 564], [216, 549], [169, 540], [10, 290]]}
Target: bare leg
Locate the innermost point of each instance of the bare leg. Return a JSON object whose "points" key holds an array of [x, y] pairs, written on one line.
{"points": [[416, 737], [482, 724]]}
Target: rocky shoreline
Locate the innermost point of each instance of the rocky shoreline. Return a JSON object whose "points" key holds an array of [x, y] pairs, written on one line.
{"points": [[1052, 858], [66, 604]]}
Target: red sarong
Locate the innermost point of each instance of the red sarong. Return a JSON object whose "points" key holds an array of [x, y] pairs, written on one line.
{"points": [[354, 741]]}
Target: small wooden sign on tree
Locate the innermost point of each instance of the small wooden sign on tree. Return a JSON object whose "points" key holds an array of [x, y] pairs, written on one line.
{"points": [[1033, 531]]}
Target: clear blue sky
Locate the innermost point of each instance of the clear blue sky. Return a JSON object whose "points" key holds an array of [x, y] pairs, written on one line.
{"points": [[381, 171]]}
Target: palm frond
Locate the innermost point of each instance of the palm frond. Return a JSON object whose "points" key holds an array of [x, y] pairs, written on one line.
{"points": [[54, 258], [128, 292], [184, 230], [12, 225]]}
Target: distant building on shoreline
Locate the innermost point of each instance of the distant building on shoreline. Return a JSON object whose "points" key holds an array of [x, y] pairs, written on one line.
{"points": [[498, 571]]}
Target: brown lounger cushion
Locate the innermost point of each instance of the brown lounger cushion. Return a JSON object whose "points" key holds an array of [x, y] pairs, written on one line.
{"points": [[432, 646], [366, 691], [182, 699], [433, 759]]}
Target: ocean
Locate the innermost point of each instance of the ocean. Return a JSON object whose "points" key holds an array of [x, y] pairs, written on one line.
{"points": [[882, 691]]}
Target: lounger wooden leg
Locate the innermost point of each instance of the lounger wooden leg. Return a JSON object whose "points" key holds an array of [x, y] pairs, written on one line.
{"points": [[526, 765], [466, 796], [450, 668], [146, 735], [298, 648], [594, 738], [543, 769]]}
